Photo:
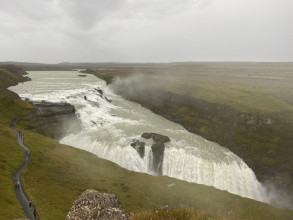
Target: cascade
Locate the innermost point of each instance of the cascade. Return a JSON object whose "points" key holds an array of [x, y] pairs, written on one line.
{"points": [[110, 124]]}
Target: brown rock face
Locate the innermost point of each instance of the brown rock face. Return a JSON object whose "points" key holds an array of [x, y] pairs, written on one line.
{"points": [[158, 138], [158, 149], [139, 147], [55, 120], [146, 135], [158, 158], [97, 206]]}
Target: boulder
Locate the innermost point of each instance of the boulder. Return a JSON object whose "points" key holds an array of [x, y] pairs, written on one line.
{"points": [[139, 146], [146, 135], [158, 138], [55, 120], [97, 206]]}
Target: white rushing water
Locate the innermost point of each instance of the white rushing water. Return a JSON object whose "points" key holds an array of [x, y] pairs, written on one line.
{"points": [[109, 128]]}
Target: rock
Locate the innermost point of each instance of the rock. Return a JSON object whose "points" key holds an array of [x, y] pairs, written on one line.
{"points": [[55, 120], [139, 146], [158, 138], [101, 94], [158, 157], [99, 91], [146, 135], [108, 100], [85, 98], [97, 206]]}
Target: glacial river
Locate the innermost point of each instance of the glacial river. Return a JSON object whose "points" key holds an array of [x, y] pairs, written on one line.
{"points": [[108, 129]]}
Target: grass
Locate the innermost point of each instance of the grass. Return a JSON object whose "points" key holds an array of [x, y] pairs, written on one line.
{"points": [[11, 156], [246, 98], [7, 78], [181, 214]]}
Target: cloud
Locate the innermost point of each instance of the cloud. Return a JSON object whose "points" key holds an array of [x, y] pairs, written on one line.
{"points": [[146, 30], [160, 9], [86, 14]]}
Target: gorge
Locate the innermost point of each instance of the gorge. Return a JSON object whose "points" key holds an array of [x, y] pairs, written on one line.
{"points": [[110, 124]]}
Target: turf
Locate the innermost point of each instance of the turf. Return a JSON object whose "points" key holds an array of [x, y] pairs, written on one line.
{"points": [[11, 156]]}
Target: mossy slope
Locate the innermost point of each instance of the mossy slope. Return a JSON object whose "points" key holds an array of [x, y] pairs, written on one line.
{"points": [[11, 156]]}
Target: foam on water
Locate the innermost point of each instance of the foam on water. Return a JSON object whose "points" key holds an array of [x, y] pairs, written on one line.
{"points": [[109, 128]]}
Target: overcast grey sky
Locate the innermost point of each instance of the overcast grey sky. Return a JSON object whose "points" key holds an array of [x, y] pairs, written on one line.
{"points": [[54, 31]]}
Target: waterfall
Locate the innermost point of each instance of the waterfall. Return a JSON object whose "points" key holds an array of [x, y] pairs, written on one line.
{"points": [[110, 124]]}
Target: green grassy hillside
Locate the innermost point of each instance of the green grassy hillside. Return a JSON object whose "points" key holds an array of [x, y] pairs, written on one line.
{"points": [[11, 156]]}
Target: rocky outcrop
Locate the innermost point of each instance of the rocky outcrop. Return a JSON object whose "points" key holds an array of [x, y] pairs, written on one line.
{"points": [[99, 91], [139, 146], [158, 138], [55, 120], [158, 149], [95, 205], [101, 94]]}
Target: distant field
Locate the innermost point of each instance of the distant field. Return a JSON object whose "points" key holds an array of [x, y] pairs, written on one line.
{"points": [[252, 87]]}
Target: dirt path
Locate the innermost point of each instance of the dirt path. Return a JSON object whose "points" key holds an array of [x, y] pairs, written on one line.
{"points": [[28, 207]]}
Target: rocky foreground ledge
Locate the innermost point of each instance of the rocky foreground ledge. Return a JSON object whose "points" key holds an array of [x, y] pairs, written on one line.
{"points": [[95, 205]]}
